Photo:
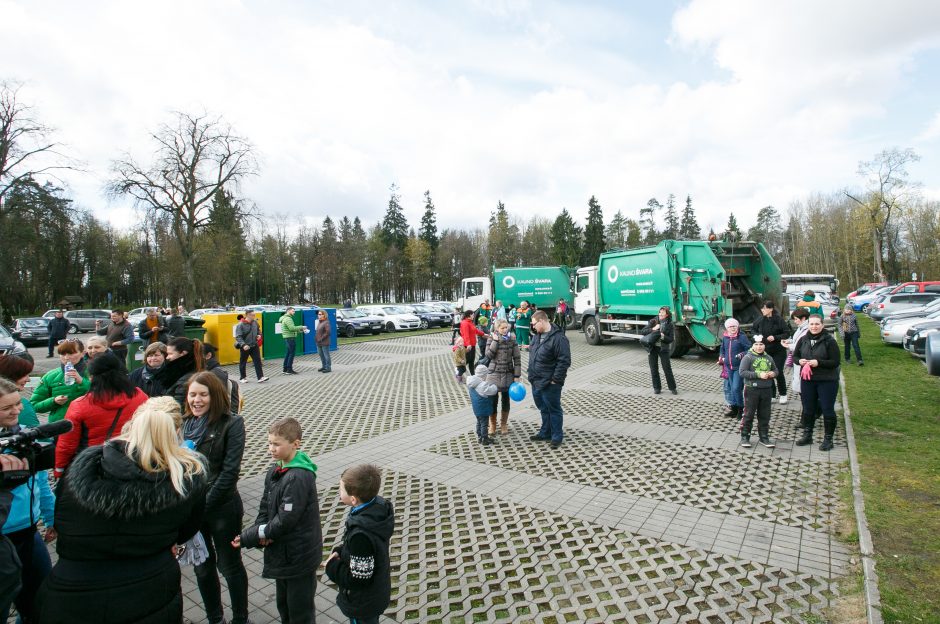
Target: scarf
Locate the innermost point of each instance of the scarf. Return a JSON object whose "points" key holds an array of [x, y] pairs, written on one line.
{"points": [[195, 429]]}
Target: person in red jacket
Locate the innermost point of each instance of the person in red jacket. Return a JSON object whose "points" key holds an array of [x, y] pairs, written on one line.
{"points": [[469, 332], [101, 414]]}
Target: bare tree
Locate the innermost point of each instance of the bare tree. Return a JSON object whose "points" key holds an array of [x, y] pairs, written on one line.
{"points": [[195, 157], [888, 190], [24, 142]]}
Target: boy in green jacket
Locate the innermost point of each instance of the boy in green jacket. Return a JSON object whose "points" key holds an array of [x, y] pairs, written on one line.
{"points": [[290, 332]]}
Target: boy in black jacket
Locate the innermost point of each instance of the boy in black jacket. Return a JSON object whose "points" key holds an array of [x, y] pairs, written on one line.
{"points": [[288, 524], [360, 565]]}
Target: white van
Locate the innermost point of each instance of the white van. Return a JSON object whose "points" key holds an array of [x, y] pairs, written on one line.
{"points": [[394, 318]]}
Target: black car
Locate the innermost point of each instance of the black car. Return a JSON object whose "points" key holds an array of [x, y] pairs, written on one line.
{"points": [[350, 322], [31, 331], [915, 340], [429, 315], [10, 345]]}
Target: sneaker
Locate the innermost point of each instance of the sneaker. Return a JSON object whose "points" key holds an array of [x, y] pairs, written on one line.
{"points": [[262, 379], [486, 441], [766, 442], [674, 391], [657, 391], [555, 445], [745, 441], [782, 400], [243, 380]]}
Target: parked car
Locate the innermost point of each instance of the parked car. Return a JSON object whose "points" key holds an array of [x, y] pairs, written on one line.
{"points": [[10, 345], [393, 317], [352, 322], [31, 330], [199, 312], [915, 339], [866, 288], [860, 303], [894, 329], [915, 312], [82, 320], [135, 316], [891, 304], [916, 287], [430, 316]]}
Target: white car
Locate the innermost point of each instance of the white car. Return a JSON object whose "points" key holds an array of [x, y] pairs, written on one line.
{"points": [[894, 330], [393, 317], [200, 312]]}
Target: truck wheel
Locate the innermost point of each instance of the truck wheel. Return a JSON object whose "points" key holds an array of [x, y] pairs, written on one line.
{"points": [[570, 320], [682, 343], [592, 331]]}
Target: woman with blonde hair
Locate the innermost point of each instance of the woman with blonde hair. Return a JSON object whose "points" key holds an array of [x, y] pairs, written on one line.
{"points": [[121, 509]]}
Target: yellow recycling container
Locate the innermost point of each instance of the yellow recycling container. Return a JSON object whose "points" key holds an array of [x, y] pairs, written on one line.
{"points": [[220, 331]]}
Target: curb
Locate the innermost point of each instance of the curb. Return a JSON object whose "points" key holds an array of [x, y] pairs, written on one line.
{"points": [[872, 594]]}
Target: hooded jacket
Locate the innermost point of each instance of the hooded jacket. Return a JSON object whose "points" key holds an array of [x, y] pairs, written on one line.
{"points": [[505, 360], [469, 333], [549, 358], [753, 364], [92, 418], [363, 571], [823, 348], [481, 392], [772, 325], [289, 515], [246, 333], [52, 385], [733, 349], [58, 328]]}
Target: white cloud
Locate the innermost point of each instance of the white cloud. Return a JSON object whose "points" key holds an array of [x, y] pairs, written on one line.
{"points": [[540, 106]]}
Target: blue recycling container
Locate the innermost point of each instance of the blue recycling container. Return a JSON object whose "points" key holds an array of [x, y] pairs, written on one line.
{"points": [[310, 320]]}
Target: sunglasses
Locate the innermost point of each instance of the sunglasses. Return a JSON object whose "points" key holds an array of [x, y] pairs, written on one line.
{"points": [[68, 340]]}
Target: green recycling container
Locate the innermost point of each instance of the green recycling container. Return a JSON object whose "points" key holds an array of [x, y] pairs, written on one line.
{"points": [[274, 344], [194, 329], [135, 354]]}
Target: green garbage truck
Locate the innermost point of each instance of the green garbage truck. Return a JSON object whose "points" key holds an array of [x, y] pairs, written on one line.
{"points": [[542, 287], [702, 282]]}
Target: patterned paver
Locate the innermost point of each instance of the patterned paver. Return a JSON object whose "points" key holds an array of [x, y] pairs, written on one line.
{"points": [[650, 512]]}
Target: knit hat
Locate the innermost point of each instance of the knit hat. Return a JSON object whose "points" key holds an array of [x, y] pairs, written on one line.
{"points": [[732, 322], [809, 295]]}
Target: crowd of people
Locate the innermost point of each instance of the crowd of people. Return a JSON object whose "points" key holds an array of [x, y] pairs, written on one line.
{"points": [[146, 481]]}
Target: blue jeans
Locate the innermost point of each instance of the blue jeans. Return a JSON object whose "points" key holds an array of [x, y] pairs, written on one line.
{"points": [[851, 340], [324, 351], [734, 389], [291, 344], [548, 400]]}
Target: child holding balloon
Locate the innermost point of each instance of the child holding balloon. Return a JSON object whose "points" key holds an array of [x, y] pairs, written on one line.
{"points": [[505, 368]]}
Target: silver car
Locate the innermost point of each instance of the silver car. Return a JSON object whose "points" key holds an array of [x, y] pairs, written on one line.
{"points": [[898, 302], [893, 330]]}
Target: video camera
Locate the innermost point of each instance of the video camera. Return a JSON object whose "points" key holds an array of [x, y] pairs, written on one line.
{"points": [[26, 444]]}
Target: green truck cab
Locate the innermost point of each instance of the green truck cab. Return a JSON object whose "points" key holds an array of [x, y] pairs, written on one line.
{"points": [[702, 282], [542, 287]]}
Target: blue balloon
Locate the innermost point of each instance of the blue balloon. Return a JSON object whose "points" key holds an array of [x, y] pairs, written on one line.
{"points": [[516, 391]]}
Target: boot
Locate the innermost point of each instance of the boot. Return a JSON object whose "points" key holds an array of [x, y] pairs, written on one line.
{"points": [[504, 423], [492, 428], [807, 437], [729, 411], [829, 431], [826, 444]]}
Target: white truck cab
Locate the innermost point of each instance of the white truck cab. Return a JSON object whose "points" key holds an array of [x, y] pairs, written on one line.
{"points": [[585, 291], [473, 292]]}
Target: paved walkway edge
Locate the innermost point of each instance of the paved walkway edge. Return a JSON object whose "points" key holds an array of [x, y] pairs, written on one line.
{"points": [[872, 594]]}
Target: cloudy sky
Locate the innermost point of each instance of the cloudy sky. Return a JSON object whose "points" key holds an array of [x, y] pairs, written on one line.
{"points": [[741, 104]]}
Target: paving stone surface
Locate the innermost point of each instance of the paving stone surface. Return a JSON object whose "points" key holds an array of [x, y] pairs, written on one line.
{"points": [[650, 511]]}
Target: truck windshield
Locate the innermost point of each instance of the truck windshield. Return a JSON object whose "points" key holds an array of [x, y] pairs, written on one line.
{"points": [[473, 289]]}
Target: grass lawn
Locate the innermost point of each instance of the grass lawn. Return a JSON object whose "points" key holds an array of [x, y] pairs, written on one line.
{"points": [[895, 408]]}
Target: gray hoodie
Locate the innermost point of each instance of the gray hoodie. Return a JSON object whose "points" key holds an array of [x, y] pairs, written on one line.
{"points": [[478, 382]]}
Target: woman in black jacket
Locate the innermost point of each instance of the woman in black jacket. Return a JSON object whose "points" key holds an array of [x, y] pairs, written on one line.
{"points": [[121, 509], [183, 360], [218, 434], [147, 377], [817, 352], [774, 330], [659, 351]]}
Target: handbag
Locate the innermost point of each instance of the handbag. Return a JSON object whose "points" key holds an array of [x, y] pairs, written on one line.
{"points": [[649, 340]]}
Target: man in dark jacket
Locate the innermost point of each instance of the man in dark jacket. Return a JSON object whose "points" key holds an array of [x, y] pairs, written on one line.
{"points": [[288, 524], [774, 330], [119, 333], [58, 330], [176, 325], [549, 359], [152, 328]]}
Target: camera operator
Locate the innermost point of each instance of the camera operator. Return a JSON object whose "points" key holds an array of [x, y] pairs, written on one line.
{"points": [[24, 559]]}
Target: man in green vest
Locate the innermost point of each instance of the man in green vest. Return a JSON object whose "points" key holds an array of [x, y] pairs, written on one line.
{"points": [[290, 332]]}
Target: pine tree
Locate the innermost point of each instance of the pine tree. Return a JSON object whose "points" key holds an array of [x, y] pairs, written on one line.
{"points": [[617, 232], [672, 219], [566, 240], [428, 230], [394, 224], [768, 230], [689, 228], [648, 221], [503, 240], [594, 242], [732, 228], [634, 234]]}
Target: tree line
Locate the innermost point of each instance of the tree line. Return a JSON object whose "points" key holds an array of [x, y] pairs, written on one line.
{"points": [[202, 243]]}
